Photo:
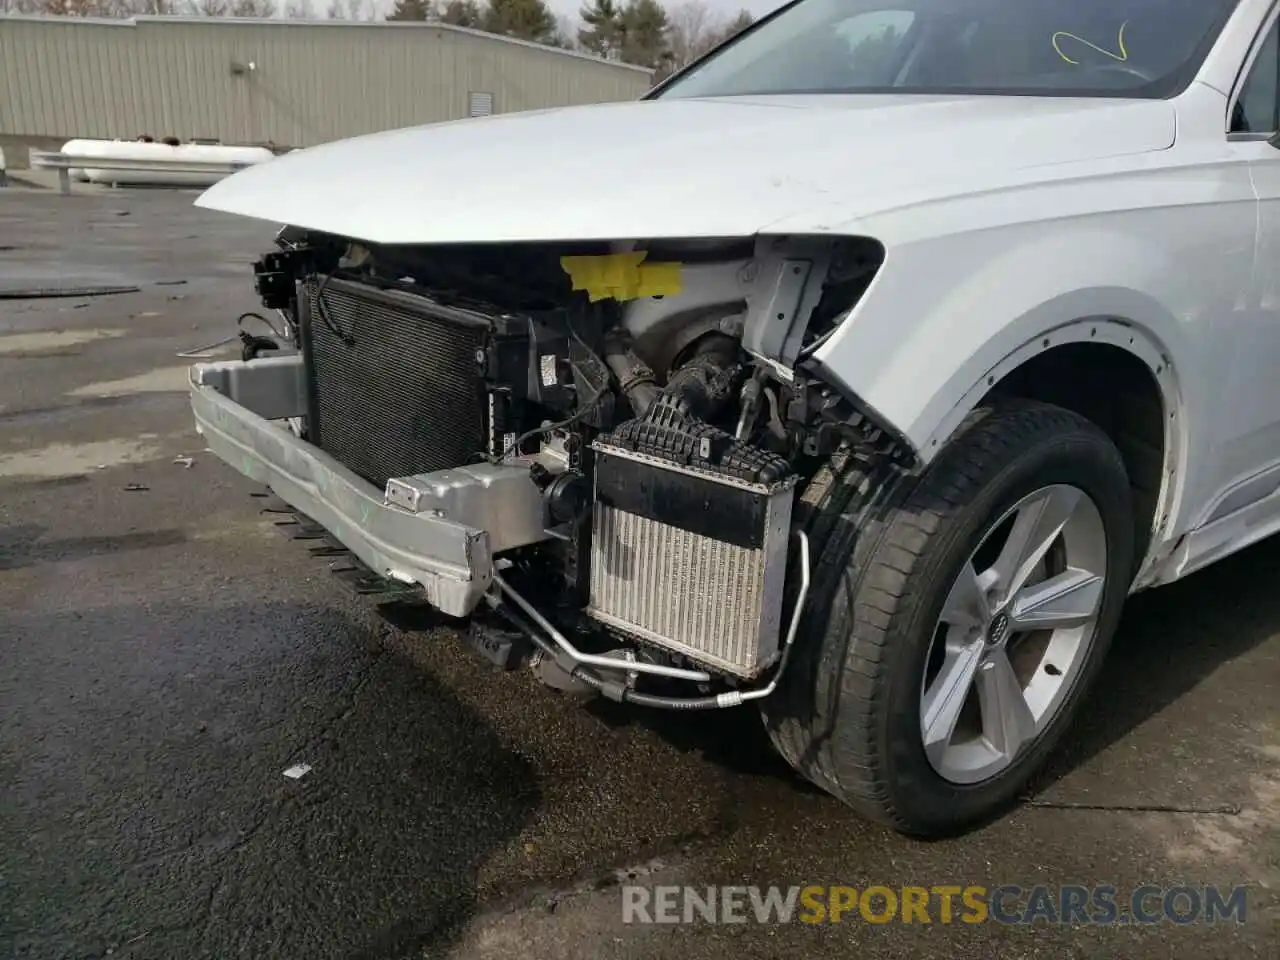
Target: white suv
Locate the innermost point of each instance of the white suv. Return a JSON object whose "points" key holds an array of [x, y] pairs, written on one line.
{"points": [[859, 372]]}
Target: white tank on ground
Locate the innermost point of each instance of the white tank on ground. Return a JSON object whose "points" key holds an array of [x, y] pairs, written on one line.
{"points": [[154, 150], [82, 148]]}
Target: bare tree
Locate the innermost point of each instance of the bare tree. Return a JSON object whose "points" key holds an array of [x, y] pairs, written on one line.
{"points": [[71, 8], [566, 33], [693, 30], [211, 8], [252, 8], [735, 26], [136, 8], [696, 30], [299, 10], [96, 8]]}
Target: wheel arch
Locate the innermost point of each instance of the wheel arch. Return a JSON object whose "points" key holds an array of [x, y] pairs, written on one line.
{"points": [[1140, 405]]}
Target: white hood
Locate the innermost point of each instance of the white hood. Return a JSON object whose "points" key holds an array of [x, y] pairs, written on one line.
{"points": [[677, 168]]}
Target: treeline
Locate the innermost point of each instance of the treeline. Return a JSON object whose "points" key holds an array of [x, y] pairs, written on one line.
{"points": [[643, 32], [146, 8]]}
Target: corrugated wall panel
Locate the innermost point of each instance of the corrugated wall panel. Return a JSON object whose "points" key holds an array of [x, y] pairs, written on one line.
{"points": [[311, 82]]}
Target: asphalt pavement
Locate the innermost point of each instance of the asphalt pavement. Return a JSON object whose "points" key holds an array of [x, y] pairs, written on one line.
{"points": [[165, 655]]}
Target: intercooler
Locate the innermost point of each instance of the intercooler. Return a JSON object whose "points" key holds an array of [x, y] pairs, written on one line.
{"points": [[395, 379], [690, 561]]}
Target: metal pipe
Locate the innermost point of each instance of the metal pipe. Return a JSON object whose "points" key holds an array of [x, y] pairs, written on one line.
{"points": [[199, 353], [735, 697], [590, 659], [286, 324], [750, 401], [635, 379]]}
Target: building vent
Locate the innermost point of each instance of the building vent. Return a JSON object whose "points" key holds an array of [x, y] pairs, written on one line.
{"points": [[479, 104]]}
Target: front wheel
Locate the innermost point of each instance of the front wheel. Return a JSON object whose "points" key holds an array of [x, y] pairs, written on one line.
{"points": [[958, 618]]}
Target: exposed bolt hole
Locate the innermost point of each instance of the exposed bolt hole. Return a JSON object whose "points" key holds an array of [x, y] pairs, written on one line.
{"points": [[1046, 341], [1131, 341], [783, 316], [1093, 332], [1159, 369], [1052, 670], [795, 270], [990, 381]]}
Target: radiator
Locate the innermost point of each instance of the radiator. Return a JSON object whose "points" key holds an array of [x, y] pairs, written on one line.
{"points": [[395, 385], [689, 561]]}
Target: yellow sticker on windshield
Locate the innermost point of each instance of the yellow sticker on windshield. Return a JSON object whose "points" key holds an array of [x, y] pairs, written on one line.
{"points": [[1122, 56]]}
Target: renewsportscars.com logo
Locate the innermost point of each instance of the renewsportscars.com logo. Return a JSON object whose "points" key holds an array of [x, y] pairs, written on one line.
{"points": [[1102, 904]]}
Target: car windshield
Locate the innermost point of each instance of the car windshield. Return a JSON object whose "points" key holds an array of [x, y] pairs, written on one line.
{"points": [[1116, 48]]}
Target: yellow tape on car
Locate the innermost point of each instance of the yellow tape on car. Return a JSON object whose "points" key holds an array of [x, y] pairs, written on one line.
{"points": [[622, 276]]}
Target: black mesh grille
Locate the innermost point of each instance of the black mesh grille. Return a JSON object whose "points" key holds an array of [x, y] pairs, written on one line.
{"points": [[404, 395]]}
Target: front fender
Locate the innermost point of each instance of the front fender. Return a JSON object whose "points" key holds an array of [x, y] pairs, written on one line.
{"points": [[945, 316]]}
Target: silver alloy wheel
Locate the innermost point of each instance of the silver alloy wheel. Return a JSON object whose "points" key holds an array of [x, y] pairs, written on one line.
{"points": [[1015, 630]]}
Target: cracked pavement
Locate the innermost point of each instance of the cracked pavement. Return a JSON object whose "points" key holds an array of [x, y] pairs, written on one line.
{"points": [[165, 655]]}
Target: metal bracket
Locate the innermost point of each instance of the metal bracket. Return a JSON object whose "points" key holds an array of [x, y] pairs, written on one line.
{"points": [[789, 286]]}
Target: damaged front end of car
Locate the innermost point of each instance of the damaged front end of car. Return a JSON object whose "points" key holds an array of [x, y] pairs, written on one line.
{"points": [[598, 455]]}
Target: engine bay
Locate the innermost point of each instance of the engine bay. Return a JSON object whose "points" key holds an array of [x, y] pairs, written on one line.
{"points": [[657, 397]]}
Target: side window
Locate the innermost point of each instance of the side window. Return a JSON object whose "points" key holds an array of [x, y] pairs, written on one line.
{"points": [[1258, 108]]}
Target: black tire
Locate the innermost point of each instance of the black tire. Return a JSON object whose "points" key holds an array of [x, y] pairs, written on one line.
{"points": [[888, 545]]}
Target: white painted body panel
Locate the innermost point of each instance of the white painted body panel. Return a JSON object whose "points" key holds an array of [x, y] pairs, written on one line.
{"points": [[1165, 242], [1009, 223], [679, 168]]}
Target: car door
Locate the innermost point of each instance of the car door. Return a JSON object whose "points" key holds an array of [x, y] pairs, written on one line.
{"points": [[1250, 448]]}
